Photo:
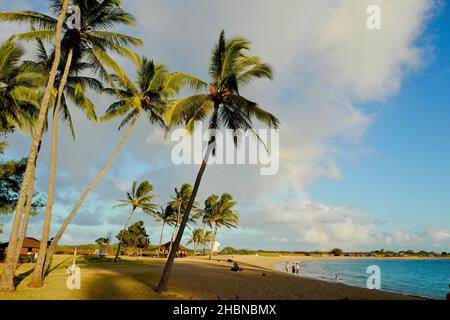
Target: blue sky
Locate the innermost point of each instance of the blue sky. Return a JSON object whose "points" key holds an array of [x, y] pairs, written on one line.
{"points": [[364, 135], [407, 175]]}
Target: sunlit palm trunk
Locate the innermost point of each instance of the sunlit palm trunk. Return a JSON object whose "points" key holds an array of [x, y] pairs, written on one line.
{"points": [[163, 282], [124, 229], [38, 273], [26, 217], [37, 276], [86, 192], [160, 238], [213, 241], [7, 278]]}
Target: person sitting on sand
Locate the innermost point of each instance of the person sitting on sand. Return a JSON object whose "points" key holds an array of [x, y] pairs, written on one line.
{"points": [[297, 268], [235, 267]]}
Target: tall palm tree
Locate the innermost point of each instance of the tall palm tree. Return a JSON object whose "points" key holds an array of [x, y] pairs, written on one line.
{"points": [[75, 92], [196, 238], [7, 277], [219, 212], [149, 96], [92, 41], [19, 88], [229, 69], [165, 216], [139, 197]]}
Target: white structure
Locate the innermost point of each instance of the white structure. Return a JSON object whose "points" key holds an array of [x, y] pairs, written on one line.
{"points": [[216, 246]]}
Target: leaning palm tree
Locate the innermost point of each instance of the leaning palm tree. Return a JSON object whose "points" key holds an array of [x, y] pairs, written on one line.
{"points": [[219, 213], [230, 68], [166, 216], [149, 96], [140, 197], [7, 277], [91, 40], [196, 238]]}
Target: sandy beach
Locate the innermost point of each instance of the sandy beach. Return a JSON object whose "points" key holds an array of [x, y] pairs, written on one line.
{"points": [[199, 279], [213, 280]]}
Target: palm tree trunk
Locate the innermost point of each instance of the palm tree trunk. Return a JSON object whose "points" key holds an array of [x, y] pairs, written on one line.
{"points": [[7, 277], [28, 207], [38, 274], [86, 192], [26, 220], [163, 282], [175, 229], [160, 239], [173, 237], [124, 229], [213, 241]]}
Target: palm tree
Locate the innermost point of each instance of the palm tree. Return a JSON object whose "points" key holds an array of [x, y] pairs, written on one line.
{"points": [[230, 68], [139, 197], [19, 99], [206, 239], [196, 238], [19, 91], [92, 41], [7, 277], [165, 216], [75, 91], [219, 213], [178, 205], [102, 242], [149, 96]]}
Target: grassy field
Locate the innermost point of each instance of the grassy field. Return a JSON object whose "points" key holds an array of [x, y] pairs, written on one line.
{"points": [[100, 279]]}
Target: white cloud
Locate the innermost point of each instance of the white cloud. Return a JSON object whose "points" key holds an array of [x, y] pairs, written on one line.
{"points": [[326, 64]]}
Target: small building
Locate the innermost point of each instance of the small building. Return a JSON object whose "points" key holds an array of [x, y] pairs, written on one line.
{"points": [[29, 248], [181, 252]]}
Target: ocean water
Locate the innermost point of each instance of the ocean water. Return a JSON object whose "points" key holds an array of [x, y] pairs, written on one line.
{"points": [[423, 277]]}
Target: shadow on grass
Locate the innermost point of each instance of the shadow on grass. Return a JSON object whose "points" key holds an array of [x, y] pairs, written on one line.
{"points": [[124, 280], [19, 278], [50, 269]]}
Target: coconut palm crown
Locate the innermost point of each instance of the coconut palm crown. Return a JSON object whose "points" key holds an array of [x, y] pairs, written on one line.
{"points": [[230, 68], [92, 41]]}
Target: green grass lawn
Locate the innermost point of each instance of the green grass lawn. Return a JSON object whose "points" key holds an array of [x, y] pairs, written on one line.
{"points": [[100, 279], [269, 254]]}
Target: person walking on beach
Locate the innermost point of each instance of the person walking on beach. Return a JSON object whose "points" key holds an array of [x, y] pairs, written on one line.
{"points": [[286, 266], [293, 269], [297, 268]]}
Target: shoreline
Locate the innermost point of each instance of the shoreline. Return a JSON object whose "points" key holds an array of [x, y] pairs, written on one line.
{"points": [[270, 262]]}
